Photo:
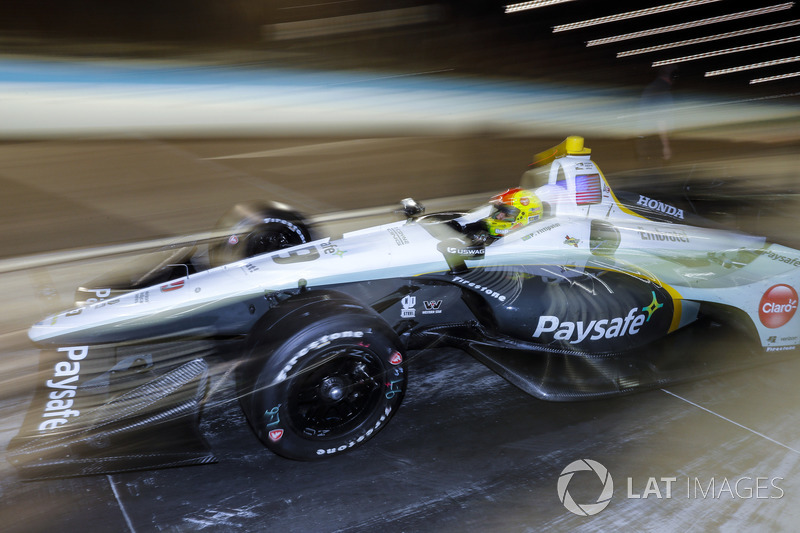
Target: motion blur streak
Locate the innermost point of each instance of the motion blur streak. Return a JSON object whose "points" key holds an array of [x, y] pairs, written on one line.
{"points": [[45, 99], [101, 161], [693, 24], [710, 38], [745, 48], [752, 66], [523, 6], [632, 14], [775, 78]]}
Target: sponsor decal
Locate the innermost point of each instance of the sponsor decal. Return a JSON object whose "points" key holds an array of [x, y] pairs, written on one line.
{"points": [[777, 306], [408, 310], [272, 416], [100, 294], [794, 261], [62, 388], [173, 286], [275, 435], [360, 439], [400, 238], [486, 290], [394, 388], [653, 307], [233, 240], [540, 231], [432, 307], [249, 268], [658, 235], [288, 224], [141, 297], [322, 341], [397, 358], [577, 332], [661, 207], [467, 251], [781, 348], [572, 241], [332, 249]]}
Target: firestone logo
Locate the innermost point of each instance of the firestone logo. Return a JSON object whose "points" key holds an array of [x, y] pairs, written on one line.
{"points": [[777, 306]]}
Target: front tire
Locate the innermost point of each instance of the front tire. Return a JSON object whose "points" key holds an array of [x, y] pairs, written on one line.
{"points": [[326, 389]]}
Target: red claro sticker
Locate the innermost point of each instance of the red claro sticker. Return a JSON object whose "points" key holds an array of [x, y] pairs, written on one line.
{"points": [[275, 435], [777, 306], [396, 359]]}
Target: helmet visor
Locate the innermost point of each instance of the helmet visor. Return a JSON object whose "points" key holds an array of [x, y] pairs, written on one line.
{"points": [[504, 213]]}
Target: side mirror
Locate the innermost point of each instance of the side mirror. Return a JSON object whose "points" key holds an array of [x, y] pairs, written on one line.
{"points": [[411, 208]]}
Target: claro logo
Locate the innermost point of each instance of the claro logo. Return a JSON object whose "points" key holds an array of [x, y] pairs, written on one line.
{"points": [[777, 306]]}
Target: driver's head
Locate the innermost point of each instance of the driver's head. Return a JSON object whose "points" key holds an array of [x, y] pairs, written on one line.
{"points": [[513, 209]]}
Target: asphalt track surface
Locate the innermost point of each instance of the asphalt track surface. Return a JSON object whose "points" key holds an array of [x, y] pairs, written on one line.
{"points": [[466, 452]]}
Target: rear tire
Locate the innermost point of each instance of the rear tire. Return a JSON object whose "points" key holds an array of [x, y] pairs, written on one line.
{"points": [[257, 229], [328, 385]]}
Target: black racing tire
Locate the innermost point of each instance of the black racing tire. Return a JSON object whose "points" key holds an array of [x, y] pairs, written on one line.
{"points": [[327, 383], [257, 228]]}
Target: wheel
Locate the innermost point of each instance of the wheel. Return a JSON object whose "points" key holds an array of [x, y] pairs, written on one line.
{"points": [[257, 229], [328, 386]]}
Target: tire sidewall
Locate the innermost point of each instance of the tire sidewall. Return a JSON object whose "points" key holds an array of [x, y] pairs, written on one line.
{"points": [[271, 402], [245, 231]]}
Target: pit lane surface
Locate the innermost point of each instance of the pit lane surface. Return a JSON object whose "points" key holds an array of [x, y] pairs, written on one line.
{"points": [[466, 451]]}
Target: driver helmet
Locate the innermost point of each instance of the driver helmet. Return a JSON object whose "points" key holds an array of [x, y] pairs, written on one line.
{"points": [[513, 209]]}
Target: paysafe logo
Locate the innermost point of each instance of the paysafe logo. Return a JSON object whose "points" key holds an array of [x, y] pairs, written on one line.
{"points": [[585, 509]]}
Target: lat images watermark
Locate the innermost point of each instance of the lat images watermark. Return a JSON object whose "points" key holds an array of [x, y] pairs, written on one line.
{"points": [[591, 491], [585, 509]]}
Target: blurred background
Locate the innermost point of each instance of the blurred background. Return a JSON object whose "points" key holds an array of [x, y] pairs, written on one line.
{"points": [[126, 123], [131, 101]]}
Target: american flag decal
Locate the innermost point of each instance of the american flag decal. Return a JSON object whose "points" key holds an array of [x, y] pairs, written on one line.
{"points": [[587, 189]]}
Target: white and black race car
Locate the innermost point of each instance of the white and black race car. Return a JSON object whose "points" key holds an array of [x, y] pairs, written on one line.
{"points": [[598, 297]]}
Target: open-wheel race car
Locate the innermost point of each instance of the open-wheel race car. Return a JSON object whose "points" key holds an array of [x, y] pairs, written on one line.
{"points": [[561, 287]]}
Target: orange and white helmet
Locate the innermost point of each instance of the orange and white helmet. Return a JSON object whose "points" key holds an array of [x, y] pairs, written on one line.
{"points": [[513, 209]]}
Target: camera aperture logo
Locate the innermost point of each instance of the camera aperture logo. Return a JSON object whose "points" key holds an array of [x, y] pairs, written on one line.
{"points": [[585, 487], [585, 509]]}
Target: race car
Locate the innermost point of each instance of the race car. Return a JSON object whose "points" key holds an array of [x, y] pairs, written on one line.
{"points": [[558, 285]]}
